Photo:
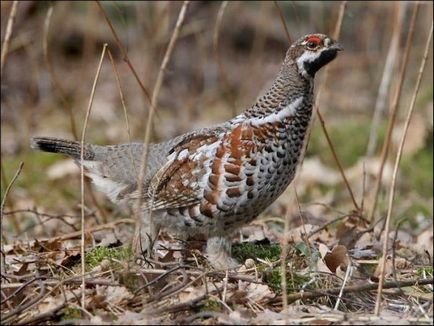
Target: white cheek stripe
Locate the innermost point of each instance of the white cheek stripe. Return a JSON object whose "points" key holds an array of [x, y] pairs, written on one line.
{"points": [[306, 57], [287, 111]]}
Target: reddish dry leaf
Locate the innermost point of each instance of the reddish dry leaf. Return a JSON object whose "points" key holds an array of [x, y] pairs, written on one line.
{"points": [[338, 257]]}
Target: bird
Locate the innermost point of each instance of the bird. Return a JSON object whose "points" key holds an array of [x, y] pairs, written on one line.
{"points": [[214, 180]]}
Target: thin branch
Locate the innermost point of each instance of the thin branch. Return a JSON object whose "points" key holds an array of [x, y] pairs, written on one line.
{"points": [[154, 104], [338, 163], [124, 52], [57, 85], [389, 67], [7, 316], [394, 110], [395, 169], [83, 134], [110, 225], [356, 288], [318, 96], [121, 94], [8, 34], [283, 20], [222, 73], [347, 276], [20, 167], [54, 79], [336, 34]]}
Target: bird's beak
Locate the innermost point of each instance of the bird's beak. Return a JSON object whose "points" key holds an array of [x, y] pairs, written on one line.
{"points": [[336, 46]]}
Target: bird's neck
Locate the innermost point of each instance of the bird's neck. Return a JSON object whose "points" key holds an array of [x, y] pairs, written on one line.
{"points": [[289, 95]]}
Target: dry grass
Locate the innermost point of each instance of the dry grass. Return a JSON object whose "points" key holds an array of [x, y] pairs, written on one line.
{"points": [[225, 55]]}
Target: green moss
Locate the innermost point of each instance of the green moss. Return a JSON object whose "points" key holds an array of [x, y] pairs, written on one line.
{"points": [[69, 313], [131, 280], [242, 251], [273, 277], [98, 254], [211, 305], [425, 271]]}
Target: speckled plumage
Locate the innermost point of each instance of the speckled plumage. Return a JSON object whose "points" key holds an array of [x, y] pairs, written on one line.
{"points": [[213, 180]]}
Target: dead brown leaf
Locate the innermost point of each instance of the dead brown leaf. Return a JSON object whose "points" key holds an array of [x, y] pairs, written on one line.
{"points": [[338, 257]]}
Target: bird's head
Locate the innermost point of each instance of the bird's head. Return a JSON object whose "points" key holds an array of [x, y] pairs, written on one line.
{"points": [[311, 52]]}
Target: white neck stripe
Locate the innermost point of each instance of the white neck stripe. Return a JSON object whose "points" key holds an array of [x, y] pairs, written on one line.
{"points": [[287, 111]]}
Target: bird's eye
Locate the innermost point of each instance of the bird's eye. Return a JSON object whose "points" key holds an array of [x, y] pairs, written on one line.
{"points": [[311, 45]]}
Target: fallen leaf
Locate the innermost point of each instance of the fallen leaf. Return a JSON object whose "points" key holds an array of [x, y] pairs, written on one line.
{"points": [[338, 257]]}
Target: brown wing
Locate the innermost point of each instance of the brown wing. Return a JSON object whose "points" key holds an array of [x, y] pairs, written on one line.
{"points": [[178, 182]]}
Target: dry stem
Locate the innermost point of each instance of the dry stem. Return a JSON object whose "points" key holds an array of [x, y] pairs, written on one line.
{"points": [[86, 119], [336, 34], [395, 170], [356, 288], [394, 110], [20, 167], [220, 66], [124, 52], [54, 79], [121, 94], [282, 19], [154, 104], [386, 78], [8, 34]]}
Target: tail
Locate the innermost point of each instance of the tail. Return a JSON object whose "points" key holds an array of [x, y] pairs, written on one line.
{"points": [[55, 145]]}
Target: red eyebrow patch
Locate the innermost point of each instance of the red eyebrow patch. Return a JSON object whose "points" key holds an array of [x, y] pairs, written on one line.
{"points": [[314, 39]]}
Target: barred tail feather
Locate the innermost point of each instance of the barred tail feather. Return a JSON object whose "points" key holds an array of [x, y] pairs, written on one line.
{"points": [[56, 145]]}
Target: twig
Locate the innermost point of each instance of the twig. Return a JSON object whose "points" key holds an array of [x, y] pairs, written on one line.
{"points": [[338, 163], [336, 34], [110, 225], [173, 289], [83, 134], [8, 34], [316, 106], [283, 255], [21, 287], [43, 316], [188, 305], [8, 188], [395, 169], [158, 278], [222, 73], [325, 225], [225, 286], [7, 316], [48, 216], [208, 314], [54, 79], [124, 52], [394, 110], [57, 85], [386, 78], [307, 294], [121, 94], [347, 276], [283, 20], [154, 104]]}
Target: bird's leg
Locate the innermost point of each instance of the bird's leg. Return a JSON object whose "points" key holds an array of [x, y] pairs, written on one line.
{"points": [[218, 250], [145, 238]]}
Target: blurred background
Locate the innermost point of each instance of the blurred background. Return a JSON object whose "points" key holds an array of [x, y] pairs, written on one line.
{"points": [[53, 56]]}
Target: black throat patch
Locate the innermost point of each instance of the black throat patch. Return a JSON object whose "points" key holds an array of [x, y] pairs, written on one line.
{"points": [[325, 57]]}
